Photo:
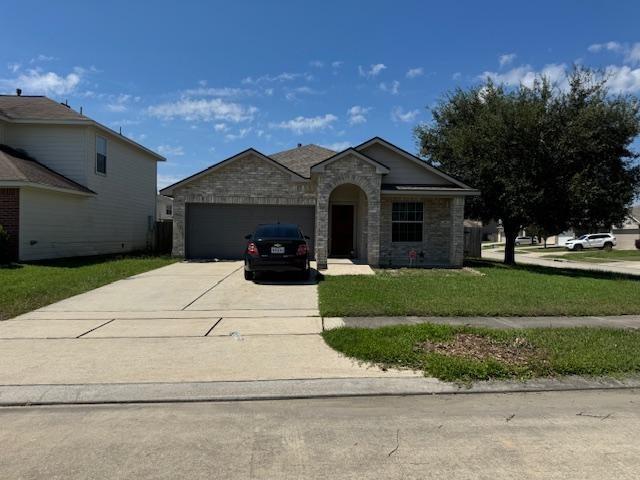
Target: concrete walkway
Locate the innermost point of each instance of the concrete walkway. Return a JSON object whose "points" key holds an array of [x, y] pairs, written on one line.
{"points": [[535, 258], [187, 322], [621, 321]]}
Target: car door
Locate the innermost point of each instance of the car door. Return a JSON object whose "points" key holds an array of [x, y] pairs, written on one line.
{"points": [[596, 241]]}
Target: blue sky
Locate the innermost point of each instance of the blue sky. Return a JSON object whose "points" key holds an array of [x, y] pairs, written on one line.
{"points": [[199, 82]]}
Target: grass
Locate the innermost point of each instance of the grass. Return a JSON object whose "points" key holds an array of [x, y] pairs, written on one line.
{"points": [[494, 289], [565, 351], [28, 286], [600, 256]]}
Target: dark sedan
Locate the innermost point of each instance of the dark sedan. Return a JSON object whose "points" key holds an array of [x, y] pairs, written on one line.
{"points": [[276, 247]]}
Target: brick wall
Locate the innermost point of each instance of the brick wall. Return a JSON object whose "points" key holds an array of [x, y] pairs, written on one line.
{"points": [[10, 217]]}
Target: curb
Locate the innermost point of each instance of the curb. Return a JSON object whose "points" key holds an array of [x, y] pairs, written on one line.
{"points": [[188, 392]]}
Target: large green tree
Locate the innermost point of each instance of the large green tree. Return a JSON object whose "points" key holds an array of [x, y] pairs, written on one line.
{"points": [[543, 156]]}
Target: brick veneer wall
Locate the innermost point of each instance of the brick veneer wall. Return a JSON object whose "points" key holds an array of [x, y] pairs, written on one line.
{"points": [[442, 233], [247, 181], [10, 217]]}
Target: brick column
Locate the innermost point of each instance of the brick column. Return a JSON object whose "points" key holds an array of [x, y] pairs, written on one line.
{"points": [[456, 252], [373, 229], [10, 218], [178, 226], [322, 230]]}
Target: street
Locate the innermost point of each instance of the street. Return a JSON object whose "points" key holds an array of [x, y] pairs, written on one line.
{"points": [[581, 435]]}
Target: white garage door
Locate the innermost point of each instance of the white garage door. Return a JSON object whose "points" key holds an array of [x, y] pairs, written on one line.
{"points": [[218, 230]]}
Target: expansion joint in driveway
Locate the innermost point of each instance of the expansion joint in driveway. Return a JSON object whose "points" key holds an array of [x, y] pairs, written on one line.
{"points": [[209, 289], [95, 328]]}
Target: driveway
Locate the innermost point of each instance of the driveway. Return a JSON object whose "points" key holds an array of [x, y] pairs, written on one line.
{"points": [[184, 322]]}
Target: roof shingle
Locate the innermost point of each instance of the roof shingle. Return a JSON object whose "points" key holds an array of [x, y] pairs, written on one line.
{"points": [[17, 166], [16, 107], [301, 159]]}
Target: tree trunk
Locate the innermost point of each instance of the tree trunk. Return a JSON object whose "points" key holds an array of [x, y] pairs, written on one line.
{"points": [[510, 247]]}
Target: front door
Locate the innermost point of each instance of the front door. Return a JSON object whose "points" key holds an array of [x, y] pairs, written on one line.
{"points": [[342, 230]]}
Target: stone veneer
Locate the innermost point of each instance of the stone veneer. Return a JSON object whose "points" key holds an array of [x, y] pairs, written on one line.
{"points": [[348, 170], [442, 233]]}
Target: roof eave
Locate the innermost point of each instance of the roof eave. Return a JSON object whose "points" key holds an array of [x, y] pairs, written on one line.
{"points": [[436, 192], [320, 166], [42, 186]]}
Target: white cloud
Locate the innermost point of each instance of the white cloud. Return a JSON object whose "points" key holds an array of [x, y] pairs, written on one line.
{"points": [[392, 88], [42, 58], [293, 93], [415, 72], [399, 115], [120, 103], [220, 127], [166, 180], [34, 82], [623, 79], [203, 110], [357, 114], [282, 77], [301, 124], [373, 71], [170, 151], [243, 132], [526, 75], [204, 91], [633, 54], [316, 63], [14, 67], [456, 76], [337, 146], [609, 46], [506, 59], [337, 64]]}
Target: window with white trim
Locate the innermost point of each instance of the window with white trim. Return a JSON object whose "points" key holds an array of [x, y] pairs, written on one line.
{"points": [[101, 155], [406, 222]]}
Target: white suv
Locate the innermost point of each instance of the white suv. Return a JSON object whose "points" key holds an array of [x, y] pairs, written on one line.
{"points": [[593, 240]]}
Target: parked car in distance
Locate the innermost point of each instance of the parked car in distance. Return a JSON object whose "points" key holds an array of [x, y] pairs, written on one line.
{"points": [[276, 247], [526, 241], [592, 240]]}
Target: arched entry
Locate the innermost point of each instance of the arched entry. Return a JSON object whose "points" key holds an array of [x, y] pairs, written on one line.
{"points": [[348, 208]]}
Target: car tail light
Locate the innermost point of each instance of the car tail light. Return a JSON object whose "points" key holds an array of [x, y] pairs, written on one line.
{"points": [[302, 250], [252, 249]]}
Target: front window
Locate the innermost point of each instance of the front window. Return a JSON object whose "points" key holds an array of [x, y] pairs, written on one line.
{"points": [[406, 222], [101, 155]]}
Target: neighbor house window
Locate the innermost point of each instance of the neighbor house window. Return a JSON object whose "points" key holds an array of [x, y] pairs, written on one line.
{"points": [[101, 155], [169, 210], [406, 222]]}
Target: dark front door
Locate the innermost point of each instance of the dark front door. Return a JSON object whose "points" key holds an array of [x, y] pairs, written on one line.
{"points": [[341, 230]]}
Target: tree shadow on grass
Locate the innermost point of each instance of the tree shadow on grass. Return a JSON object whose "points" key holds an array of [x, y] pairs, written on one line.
{"points": [[77, 262], [565, 272]]}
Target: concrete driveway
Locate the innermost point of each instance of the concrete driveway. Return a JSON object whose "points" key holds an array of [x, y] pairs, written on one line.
{"points": [[183, 322]]}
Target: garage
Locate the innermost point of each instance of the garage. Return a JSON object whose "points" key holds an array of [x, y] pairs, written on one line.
{"points": [[218, 230]]}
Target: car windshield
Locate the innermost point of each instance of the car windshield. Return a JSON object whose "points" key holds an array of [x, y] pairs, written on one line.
{"points": [[582, 237], [280, 230]]}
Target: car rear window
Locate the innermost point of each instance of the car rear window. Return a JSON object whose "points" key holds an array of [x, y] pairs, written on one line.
{"points": [[278, 231]]}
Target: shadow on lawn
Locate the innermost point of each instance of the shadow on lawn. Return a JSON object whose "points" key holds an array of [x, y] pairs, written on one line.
{"points": [[77, 262], [565, 272]]}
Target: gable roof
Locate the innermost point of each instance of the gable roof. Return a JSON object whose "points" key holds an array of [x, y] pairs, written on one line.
{"points": [[168, 191], [19, 169], [414, 159], [40, 109], [302, 158], [380, 167]]}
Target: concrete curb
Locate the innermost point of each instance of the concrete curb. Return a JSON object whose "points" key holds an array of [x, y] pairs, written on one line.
{"points": [[125, 393]]}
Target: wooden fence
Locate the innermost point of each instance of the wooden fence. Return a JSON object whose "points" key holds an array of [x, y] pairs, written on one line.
{"points": [[473, 242], [164, 237]]}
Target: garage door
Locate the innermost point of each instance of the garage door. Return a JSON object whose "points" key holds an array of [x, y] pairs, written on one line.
{"points": [[217, 231]]}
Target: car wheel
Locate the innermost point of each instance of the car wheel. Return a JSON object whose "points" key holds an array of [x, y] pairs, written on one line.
{"points": [[248, 275], [517, 244], [608, 246], [578, 247]]}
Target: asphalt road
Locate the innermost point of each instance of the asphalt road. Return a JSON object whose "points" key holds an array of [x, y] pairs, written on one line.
{"points": [[564, 435]]}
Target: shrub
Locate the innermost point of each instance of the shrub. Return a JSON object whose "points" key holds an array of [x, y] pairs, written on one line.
{"points": [[638, 243]]}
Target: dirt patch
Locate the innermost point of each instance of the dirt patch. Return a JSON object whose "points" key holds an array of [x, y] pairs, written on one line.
{"points": [[469, 345]]}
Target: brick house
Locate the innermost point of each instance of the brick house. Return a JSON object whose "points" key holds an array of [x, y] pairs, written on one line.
{"points": [[70, 186], [375, 203]]}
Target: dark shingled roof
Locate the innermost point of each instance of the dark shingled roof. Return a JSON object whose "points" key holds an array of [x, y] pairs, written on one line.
{"points": [[25, 107], [301, 159], [17, 166]]}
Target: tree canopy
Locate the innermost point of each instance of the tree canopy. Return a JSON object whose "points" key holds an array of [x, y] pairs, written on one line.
{"points": [[540, 155]]}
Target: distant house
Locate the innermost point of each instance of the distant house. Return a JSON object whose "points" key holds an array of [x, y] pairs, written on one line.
{"points": [[164, 208], [629, 231], [70, 186], [374, 202]]}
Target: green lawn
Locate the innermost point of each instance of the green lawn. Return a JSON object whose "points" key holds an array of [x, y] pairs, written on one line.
{"points": [[600, 256], [558, 351], [26, 287], [494, 289]]}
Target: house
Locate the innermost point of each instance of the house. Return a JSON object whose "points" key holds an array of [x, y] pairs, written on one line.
{"points": [[70, 186], [627, 233], [375, 203], [164, 208]]}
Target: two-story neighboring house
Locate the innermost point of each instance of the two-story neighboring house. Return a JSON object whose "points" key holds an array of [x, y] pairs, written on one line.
{"points": [[70, 186]]}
